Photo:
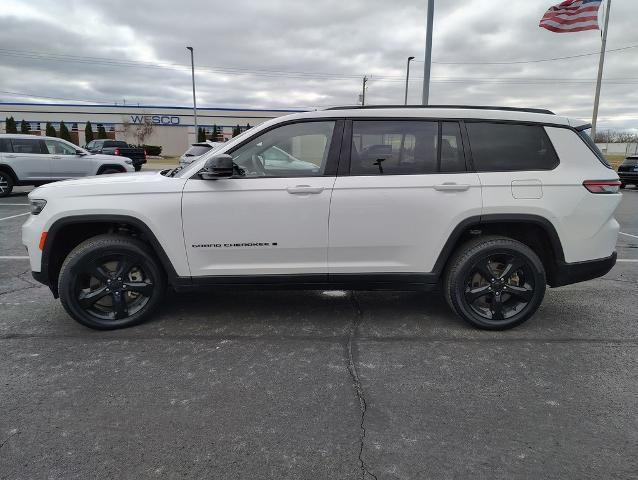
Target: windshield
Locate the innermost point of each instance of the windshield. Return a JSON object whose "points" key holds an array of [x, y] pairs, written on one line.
{"points": [[586, 136]]}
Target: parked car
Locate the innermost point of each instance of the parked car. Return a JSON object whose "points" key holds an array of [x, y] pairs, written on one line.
{"points": [[628, 171], [120, 149], [489, 205], [32, 160], [196, 150]]}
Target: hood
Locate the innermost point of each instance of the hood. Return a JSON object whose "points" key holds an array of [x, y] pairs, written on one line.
{"points": [[112, 184]]}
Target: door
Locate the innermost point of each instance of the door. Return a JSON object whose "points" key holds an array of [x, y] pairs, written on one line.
{"points": [[405, 189], [29, 159], [65, 162], [270, 218]]}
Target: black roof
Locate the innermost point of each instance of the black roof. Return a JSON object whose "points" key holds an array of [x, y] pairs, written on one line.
{"points": [[468, 107]]}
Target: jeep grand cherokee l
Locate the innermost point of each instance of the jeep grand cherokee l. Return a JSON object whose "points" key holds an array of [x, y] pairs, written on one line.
{"points": [[490, 204]]}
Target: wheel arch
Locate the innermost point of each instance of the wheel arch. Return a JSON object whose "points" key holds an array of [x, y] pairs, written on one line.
{"points": [[114, 166], [535, 231], [8, 169], [66, 233]]}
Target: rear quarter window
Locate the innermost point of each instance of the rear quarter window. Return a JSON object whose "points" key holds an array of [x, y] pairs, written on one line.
{"points": [[5, 145], [502, 147]]}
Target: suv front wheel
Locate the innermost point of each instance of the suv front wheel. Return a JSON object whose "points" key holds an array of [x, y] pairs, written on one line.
{"points": [[6, 184], [111, 281], [495, 283]]}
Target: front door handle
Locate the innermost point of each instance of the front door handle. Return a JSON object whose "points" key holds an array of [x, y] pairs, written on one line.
{"points": [[451, 187], [56, 157], [11, 156], [304, 189]]}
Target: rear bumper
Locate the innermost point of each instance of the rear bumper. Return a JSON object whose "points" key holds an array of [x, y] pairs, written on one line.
{"points": [[568, 273]]}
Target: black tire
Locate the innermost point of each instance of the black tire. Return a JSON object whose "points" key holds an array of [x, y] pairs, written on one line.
{"points": [[138, 168], [622, 185], [511, 294], [6, 184], [97, 283], [108, 171]]}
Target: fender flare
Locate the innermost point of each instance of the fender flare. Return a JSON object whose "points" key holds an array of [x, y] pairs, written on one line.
{"points": [[7, 168]]}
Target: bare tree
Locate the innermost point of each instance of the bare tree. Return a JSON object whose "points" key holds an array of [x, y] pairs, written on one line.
{"points": [[139, 131]]}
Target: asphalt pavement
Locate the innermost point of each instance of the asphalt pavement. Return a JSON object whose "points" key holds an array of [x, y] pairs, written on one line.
{"points": [[289, 384]]}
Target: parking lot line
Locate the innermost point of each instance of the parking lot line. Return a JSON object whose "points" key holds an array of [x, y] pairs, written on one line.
{"points": [[627, 260], [629, 235], [14, 216], [16, 257], [14, 204]]}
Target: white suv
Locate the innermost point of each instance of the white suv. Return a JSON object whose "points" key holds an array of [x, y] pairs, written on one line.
{"points": [[490, 204], [33, 160]]}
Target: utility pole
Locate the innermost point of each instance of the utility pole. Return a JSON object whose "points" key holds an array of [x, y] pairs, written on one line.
{"points": [[407, 78], [194, 100], [428, 54], [600, 73], [363, 93]]}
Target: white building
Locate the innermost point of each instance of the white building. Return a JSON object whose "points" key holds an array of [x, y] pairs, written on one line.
{"points": [[173, 126]]}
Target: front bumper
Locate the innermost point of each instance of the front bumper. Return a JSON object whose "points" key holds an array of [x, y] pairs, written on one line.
{"points": [[628, 177], [568, 273]]}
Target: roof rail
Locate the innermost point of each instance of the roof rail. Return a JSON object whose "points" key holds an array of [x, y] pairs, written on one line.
{"points": [[468, 107]]}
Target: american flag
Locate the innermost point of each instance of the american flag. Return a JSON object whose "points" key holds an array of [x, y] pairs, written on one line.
{"points": [[572, 16]]}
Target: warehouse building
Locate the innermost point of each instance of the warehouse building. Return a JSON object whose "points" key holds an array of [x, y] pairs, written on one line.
{"points": [[172, 127]]}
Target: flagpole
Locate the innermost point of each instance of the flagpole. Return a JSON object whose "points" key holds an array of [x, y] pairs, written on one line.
{"points": [[600, 73]]}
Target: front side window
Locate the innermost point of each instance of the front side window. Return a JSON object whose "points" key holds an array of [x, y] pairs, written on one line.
{"points": [[295, 150], [502, 147], [26, 145], [197, 150], [400, 147], [55, 147]]}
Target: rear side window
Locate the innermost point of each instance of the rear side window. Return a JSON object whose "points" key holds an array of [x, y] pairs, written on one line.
{"points": [[26, 145], [5, 145], [501, 147], [586, 137], [393, 147], [452, 156]]}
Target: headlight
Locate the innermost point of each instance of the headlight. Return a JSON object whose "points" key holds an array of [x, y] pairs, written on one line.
{"points": [[37, 206], [130, 162]]}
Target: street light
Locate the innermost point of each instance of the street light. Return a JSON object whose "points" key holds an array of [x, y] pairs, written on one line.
{"points": [[194, 101], [407, 77]]}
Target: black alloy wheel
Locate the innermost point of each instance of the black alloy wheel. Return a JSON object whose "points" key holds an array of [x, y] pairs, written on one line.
{"points": [[6, 184], [111, 281], [495, 283]]}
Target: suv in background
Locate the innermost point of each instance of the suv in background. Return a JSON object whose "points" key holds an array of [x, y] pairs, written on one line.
{"points": [[120, 149], [628, 171], [196, 150], [488, 204], [34, 160]]}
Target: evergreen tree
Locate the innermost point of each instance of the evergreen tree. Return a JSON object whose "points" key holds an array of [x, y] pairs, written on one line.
{"points": [[64, 132], [10, 125], [101, 131], [50, 130], [201, 135], [25, 127], [236, 130], [88, 132], [248, 127], [213, 136]]}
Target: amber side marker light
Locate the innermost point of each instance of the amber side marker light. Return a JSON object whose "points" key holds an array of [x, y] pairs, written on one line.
{"points": [[43, 239], [602, 186]]}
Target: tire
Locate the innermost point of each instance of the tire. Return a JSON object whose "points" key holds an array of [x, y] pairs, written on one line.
{"points": [[108, 171], [6, 184], [138, 168], [494, 283], [622, 185], [93, 292]]}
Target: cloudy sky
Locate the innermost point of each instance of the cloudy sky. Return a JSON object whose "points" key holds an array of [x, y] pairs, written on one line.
{"points": [[309, 54]]}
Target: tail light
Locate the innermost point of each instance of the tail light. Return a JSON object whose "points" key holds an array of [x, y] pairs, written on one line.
{"points": [[602, 186], [117, 151]]}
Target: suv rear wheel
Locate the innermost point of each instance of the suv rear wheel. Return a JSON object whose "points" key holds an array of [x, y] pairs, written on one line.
{"points": [[495, 283], [111, 281], [6, 184]]}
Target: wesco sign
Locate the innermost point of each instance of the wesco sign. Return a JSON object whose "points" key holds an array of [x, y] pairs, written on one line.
{"points": [[166, 120]]}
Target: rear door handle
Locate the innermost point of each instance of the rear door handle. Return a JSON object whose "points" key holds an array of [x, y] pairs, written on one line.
{"points": [[304, 189], [56, 157], [11, 156], [452, 187]]}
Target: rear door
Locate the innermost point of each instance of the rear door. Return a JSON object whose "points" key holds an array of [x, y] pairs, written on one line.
{"points": [[263, 221], [29, 159], [402, 189]]}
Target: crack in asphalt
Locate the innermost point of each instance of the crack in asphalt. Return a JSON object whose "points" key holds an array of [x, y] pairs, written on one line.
{"points": [[352, 368], [8, 438]]}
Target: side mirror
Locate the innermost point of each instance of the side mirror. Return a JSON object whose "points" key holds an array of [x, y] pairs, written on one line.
{"points": [[219, 166], [81, 153]]}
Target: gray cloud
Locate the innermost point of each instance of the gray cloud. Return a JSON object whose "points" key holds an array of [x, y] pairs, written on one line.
{"points": [[286, 53]]}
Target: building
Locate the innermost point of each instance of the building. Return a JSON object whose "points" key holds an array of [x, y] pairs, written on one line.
{"points": [[173, 127]]}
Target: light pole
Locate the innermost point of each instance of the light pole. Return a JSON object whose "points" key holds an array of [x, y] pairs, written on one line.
{"points": [[407, 78], [428, 54], [194, 101], [363, 91]]}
